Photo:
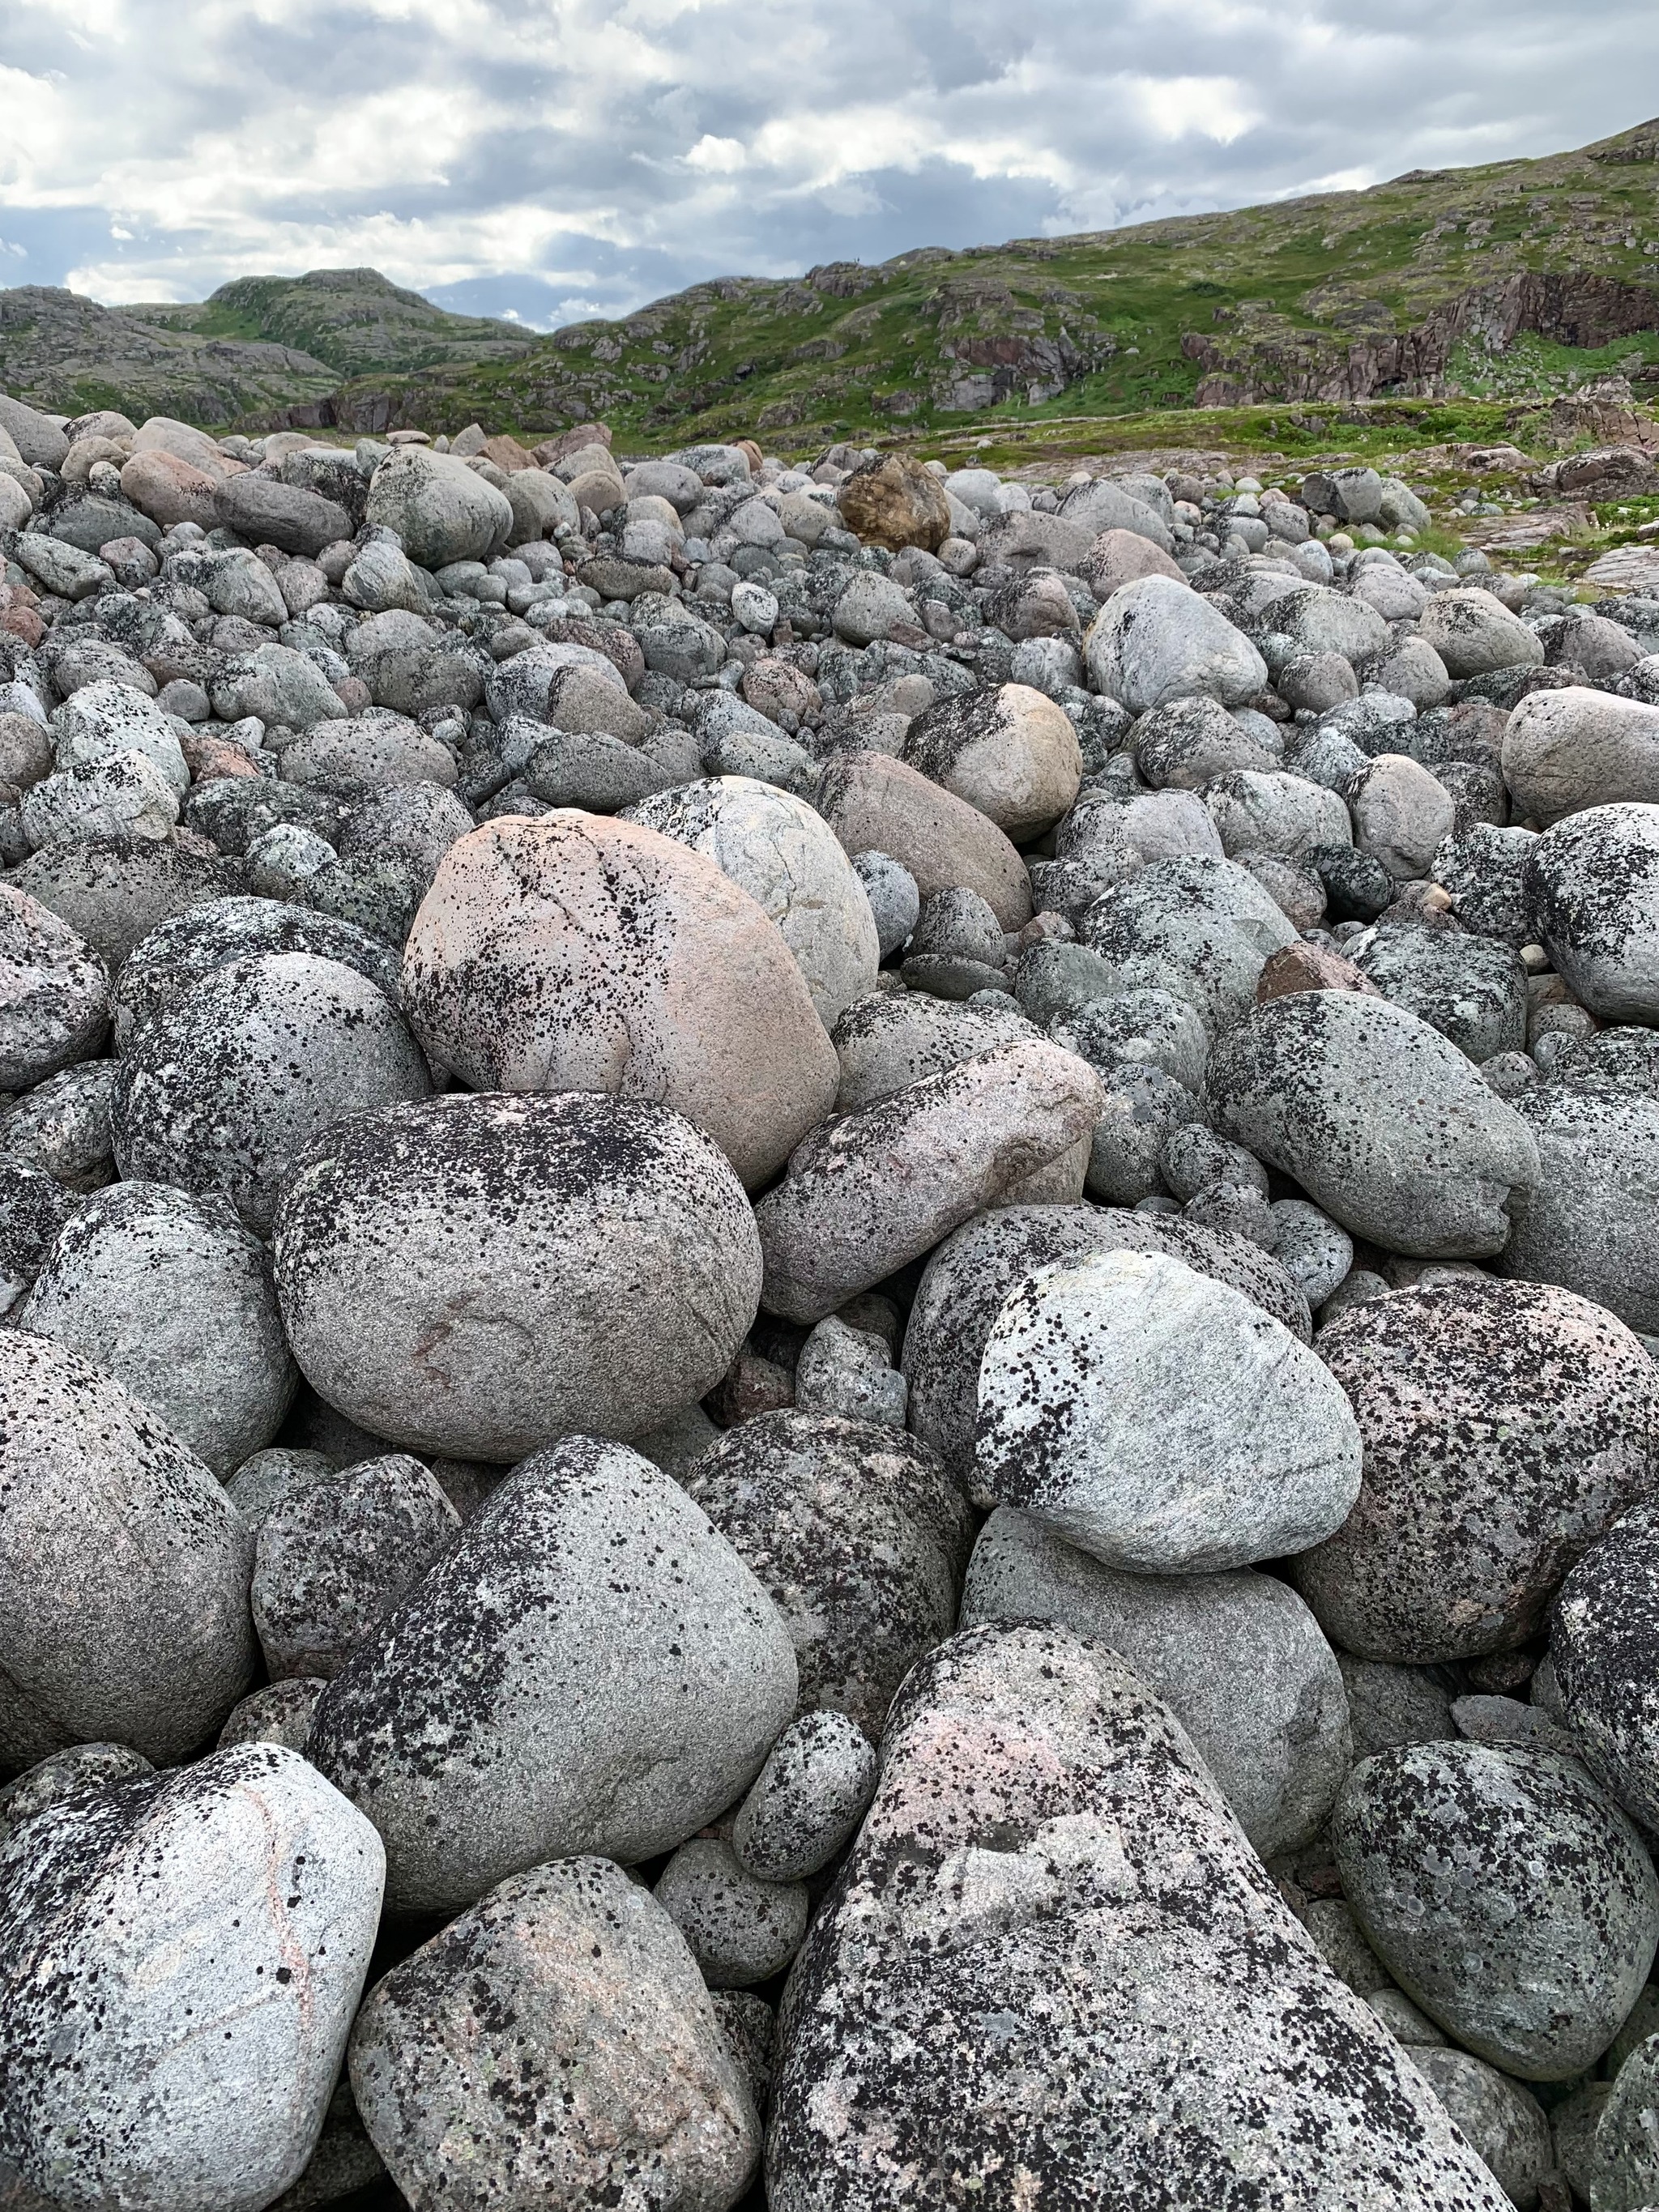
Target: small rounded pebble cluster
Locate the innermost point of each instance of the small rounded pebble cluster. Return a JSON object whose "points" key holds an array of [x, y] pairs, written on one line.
{"points": [[830, 1302]]}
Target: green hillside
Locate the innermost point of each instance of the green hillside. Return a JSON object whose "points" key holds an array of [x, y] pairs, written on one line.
{"points": [[1423, 285], [355, 319]]}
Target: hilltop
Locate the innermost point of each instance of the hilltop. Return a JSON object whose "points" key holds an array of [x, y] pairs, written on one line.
{"points": [[1515, 279]]}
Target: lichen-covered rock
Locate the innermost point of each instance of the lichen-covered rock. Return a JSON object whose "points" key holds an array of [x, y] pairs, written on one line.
{"points": [[1475, 634], [281, 1712], [1156, 640], [171, 1295], [180, 1958], [1470, 988], [479, 1275], [1568, 749], [1604, 1641], [1199, 927], [124, 1569], [808, 1799], [1159, 1420], [1237, 1658], [62, 1126], [113, 888], [1011, 752], [741, 1929], [1381, 1121], [222, 1090], [85, 1769], [1507, 1895], [878, 1188], [780, 851], [971, 1273], [1592, 886], [333, 1558], [575, 952], [953, 2034], [591, 1668], [1504, 2124], [440, 510], [859, 1536], [1589, 1219], [187, 947], [1505, 1428], [1621, 2169], [555, 2045], [54, 993]]}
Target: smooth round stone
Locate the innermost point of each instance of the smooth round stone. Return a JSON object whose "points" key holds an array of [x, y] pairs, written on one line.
{"points": [[1604, 1643], [591, 1668], [281, 1712], [569, 1989], [62, 1126], [1507, 1895], [1389, 1705], [775, 848], [1381, 1121], [1156, 640], [1144, 1027], [1591, 885], [579, 953], [894, 902], [180, 1958], [1590, 1221], [1009, 751], [1237, 1658], [54, 993], [475, 1275], [1314, 1251], [1203, 928], [1506, 2123], [124, 1569], [1470, 988], [741, 1930], [1159, 1420], [209, 1356], [1505, 1427], [808, 1799], [223, 1091]]}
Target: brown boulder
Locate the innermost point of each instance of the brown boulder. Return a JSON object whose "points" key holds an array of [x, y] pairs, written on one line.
{"points": [[507, 454], [1119, 556], [168, 489], [893, 501], [877, 804], [578, 952], [552, 451], [1304, 967]]}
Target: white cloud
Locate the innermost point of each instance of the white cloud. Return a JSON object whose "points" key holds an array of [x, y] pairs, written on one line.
{"points": [[611, 150]]}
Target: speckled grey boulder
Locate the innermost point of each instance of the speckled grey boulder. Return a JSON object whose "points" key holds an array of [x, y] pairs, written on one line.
{"points": [[1008, 751], [742, 1930], [1199, 927], [1570, 750], [1590, 1221], [180, 1958], [182, 950], [869, 1192], [1388, 1706], [1144, 1027], [124, 1569], [1507, 1895], [1382, 1121], [894, 902], [591, 1668], [860, 1536], [85, 1769], [1504, 2124], [555, 2045], [1237, 1658], [62, 1126], [267, 1477], [1314, 1251], [1505, 1428], [972, 1272], [281, 1712], [113, 888], [334, 1558], [54, 993], [170, 1294], [893, 1038], [1040, 1813], [1159, 1420], [440, 508], [808, 1799], [1604, 1642], [478, 1275], [224, 1090], [1471, 989], [1622, 2168], [1592, 886], [1156, 640]]}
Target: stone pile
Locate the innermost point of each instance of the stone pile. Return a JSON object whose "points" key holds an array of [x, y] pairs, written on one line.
{"points": [[830, 1300]]}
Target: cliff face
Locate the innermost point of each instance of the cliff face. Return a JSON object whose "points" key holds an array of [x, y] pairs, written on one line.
{"points": [[1584, 311]]}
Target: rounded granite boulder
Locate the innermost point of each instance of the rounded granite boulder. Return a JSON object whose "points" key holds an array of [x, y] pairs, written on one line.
{"points": [[1010, 751], [54, 993], [1604, 1642], [578, 953], [1591, 885], [478, 1275], [1506, 1426]]}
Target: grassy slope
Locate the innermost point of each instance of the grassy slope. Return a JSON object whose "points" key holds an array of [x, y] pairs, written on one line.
{"points": [[850, 349]]}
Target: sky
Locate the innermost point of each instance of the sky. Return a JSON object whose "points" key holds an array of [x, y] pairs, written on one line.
{"points": [[553, 159]]}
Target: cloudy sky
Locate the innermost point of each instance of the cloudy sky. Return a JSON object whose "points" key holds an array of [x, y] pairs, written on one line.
{"points": [[553, 159]]}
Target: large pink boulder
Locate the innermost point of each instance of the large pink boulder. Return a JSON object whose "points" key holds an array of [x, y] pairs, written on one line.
{"points": [[578, 952], [169, 490]]}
